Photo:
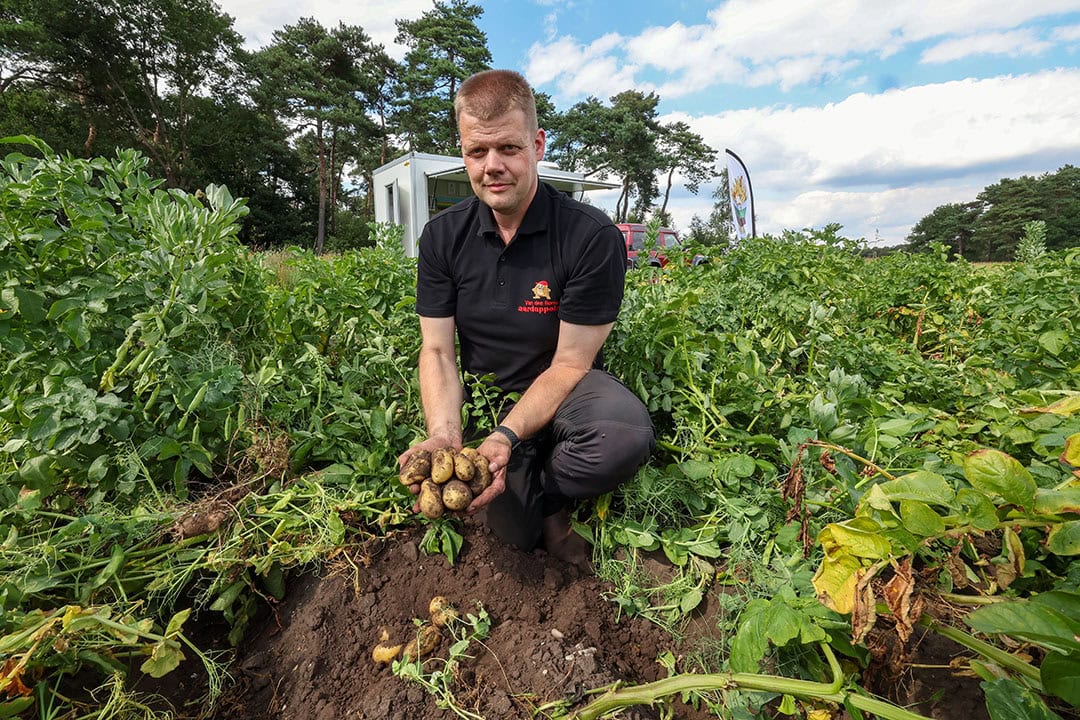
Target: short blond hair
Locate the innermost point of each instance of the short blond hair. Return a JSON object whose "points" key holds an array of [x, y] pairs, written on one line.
{"points": [[491, 93]]}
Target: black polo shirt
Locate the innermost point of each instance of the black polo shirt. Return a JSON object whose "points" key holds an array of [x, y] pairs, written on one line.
{"points": [[566, 262]]}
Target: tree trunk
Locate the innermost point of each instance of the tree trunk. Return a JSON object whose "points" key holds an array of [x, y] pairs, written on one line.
{"points": [[334, 184], [667, 191], [320, 233]]}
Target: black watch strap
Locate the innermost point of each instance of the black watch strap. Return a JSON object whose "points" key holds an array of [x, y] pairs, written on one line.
{"points": [[509, 435]]}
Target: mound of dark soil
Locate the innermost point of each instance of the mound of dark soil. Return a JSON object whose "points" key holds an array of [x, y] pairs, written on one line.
{"points": [[553, 637]]}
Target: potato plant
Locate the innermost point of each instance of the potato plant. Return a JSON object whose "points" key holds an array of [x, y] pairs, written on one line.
{"points": [[840, 440]]}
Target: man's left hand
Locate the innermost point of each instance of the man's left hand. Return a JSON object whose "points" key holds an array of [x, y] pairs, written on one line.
{"points": [[496, 448]]}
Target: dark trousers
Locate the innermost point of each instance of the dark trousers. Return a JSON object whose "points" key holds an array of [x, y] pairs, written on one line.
{"points": [[599, 437]]}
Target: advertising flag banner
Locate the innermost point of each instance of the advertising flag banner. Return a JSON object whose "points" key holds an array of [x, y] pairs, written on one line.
{"points": [[741, 195]]}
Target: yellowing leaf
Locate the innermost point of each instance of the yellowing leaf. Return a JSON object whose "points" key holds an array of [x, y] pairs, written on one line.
{"points": [[1071, 454], [835, 582], [1057, 502], [1068, 405], [859, 537], [164, 658]]}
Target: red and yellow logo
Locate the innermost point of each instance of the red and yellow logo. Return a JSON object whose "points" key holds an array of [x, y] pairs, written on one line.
{"points": [[540, 303]]}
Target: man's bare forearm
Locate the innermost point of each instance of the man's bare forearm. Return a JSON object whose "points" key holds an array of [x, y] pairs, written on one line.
{"points": [[540, 401], [441, 395]]}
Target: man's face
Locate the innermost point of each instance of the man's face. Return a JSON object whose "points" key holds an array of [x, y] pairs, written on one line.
{"points": [[500, 157]]}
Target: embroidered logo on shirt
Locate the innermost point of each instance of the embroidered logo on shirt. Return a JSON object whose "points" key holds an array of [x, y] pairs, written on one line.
{"points": [[541, 301]]}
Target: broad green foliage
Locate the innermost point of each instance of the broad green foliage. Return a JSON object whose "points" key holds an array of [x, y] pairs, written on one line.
{"points": [[835, 434]]}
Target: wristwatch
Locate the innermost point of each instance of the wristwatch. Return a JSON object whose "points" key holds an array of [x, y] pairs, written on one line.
{"points": [[509, 435]]}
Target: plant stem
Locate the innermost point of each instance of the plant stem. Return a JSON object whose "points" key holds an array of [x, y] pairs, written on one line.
{"points": [[649, 693], [997, 655], [844, 451], [956, 599]]}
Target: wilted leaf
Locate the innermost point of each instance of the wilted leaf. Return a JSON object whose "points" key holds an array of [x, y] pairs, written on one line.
{"points": [[997, 473], [165, 657], [897, 594], [11, 678], [864, 611]]}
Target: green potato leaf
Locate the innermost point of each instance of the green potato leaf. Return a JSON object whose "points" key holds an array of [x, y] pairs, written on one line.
{"points": [[998, 474], [1060, 675], [1006, 699], [921, 485], [1064, 539]]}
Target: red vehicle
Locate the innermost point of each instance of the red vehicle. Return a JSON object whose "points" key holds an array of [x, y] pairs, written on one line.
{"points": [[634, 233]]}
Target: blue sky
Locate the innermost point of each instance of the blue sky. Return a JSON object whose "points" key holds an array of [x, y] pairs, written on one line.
{"points": [[868, 113]]}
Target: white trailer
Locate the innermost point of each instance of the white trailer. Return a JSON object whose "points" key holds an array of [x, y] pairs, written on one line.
{"points": [[415, 186]]}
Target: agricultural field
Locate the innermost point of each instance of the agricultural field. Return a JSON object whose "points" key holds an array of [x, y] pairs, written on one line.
{"points": [[865, 501]]}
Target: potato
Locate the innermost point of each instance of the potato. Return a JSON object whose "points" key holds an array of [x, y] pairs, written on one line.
{"points": [[442, 465], [463, 467], [430, 500], [456, 495], [482, 479], [442, 612], [384, 653], [416, 469], [423, 644]]}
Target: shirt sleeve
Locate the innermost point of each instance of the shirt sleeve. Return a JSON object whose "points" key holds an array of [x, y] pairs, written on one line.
{"points": [[436, 293], [594, 287]]}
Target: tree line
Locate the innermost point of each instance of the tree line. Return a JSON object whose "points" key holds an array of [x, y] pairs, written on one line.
{"points": [[990, 227], [299, 125]]}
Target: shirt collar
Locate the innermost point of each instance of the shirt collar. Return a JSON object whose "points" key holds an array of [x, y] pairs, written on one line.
{"points": [[535, 220]]}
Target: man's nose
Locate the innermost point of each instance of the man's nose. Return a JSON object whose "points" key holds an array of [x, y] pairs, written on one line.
{"points": [[493, 162]]}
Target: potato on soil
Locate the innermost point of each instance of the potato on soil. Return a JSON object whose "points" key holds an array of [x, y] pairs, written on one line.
{"points": [[442, 612], [464, 468], [385, 653], [417, 469], [456, 495], [423, 644], [442, 465], [430, 500]]}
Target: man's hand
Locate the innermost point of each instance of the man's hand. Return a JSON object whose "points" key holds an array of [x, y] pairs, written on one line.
{"points": [[496, 448]]}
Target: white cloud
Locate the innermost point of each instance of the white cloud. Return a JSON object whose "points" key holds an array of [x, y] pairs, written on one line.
{"points": [[257, 20], [780, 42], [1014, 44], [1068, 33], [884, 161]]}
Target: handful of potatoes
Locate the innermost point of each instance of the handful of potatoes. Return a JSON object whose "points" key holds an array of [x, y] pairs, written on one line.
{"points": [[449, 479]]}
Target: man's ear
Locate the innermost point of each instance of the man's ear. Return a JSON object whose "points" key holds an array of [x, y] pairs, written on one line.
{"points": [[540, 144]]}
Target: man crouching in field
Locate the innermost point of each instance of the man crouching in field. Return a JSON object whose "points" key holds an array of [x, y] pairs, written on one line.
{"points": [[531, 281]]}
